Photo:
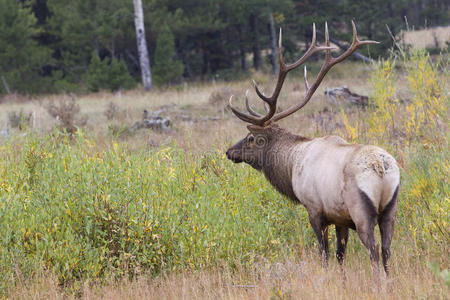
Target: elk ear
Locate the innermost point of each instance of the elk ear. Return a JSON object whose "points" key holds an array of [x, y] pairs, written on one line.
{"points": [[255, 129]]}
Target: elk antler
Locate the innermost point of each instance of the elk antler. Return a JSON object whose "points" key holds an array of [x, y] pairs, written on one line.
{"points": [[270, 116]]}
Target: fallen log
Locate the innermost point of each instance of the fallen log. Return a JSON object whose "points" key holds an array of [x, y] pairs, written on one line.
{"points": [[343, 93], [154, 122]]}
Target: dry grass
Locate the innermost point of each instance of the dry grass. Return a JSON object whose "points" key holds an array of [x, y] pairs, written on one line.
{"points": [[192, 115], [289, 279], [435, 37]]}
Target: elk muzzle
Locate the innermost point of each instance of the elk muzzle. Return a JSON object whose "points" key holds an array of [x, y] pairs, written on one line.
{"points": [[234, 155]]}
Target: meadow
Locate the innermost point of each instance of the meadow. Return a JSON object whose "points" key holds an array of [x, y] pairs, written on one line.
{"points": [[110, 213]]}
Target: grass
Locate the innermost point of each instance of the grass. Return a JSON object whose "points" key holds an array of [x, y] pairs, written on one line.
{"points": [[192, 100], [97, 215], [287, 279], [428, 38]]}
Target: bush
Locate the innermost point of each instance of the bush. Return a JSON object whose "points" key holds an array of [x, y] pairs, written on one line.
{"points": [[166, 69], [84, 214], [21, 58], [19, 120], [105, 74], [67, 113]]}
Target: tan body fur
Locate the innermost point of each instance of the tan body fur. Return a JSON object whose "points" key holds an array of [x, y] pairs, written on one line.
{"points": [[348, 185], [326, 170]]}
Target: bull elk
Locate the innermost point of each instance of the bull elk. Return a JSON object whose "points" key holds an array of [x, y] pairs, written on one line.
{"points": [[349, 185]]}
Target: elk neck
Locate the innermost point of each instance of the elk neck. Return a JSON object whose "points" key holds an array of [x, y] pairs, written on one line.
{"points": [[279, 161]]}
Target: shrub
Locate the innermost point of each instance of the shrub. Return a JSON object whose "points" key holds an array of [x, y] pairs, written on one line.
{"points": [[167, 69], [19, 120], [21, 57], [111, 111], [84, 214], [67, 113], [105, 74], [220, 97]]}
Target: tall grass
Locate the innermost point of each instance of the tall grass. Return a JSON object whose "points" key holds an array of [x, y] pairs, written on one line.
{"points": [[83, 214]]}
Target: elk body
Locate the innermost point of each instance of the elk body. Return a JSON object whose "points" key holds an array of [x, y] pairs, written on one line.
{"points": [[349, 185]]}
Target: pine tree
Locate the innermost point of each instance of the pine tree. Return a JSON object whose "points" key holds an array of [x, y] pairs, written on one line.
{"points": [[21, 58], [167, 69], [79, 27], [105, 74]]}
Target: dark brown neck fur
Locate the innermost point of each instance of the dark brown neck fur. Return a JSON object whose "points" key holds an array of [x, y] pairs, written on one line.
{"points": [[278, 160]]}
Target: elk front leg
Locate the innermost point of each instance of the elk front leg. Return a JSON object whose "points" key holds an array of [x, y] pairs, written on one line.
{"points": [[321, 230], [341, 243]]}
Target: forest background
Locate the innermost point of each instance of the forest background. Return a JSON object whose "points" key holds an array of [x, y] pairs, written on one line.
{"points": [[49, 46]]}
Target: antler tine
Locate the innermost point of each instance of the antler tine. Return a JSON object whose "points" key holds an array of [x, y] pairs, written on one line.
{"points": [[259, 93], [355, 44], [244, 117], [249, 108], [270, 116], [280, 53], [284, 70], [313, 48], [330, 61], [306, 80], [327, 42]]}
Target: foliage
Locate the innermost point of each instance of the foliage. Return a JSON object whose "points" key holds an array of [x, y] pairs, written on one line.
{"points": [[112, 75], [384, 104], [19, 120], [21, 57], [75, 29], [167, 69], [426, 200], [79, 213], [429, 104], [67, 113], [47, 45]]}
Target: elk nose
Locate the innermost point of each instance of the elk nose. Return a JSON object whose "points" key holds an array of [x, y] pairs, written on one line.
{"points": [[228, 154]]}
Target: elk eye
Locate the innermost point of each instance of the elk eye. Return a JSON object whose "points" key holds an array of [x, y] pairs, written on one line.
{"points": [[251, 139]]}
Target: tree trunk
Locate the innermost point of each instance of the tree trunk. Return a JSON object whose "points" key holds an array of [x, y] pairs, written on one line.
{"points": [[242, 54], [142, 45], [242, 48], [255, 46], [273, 40], [5, 85]]}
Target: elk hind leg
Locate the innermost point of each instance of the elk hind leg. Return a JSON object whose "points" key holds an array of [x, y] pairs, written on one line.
{"points": [[364, 216], [386, 222], [365, 220]]}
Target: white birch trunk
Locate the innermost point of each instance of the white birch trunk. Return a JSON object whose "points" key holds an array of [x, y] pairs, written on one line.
{"points": [[142, 45]]}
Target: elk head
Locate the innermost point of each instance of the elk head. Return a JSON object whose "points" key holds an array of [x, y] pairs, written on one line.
{"points": [[253, 148]]}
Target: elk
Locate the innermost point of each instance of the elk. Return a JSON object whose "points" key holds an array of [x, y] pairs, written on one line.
{"points": [[349, 185]]}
